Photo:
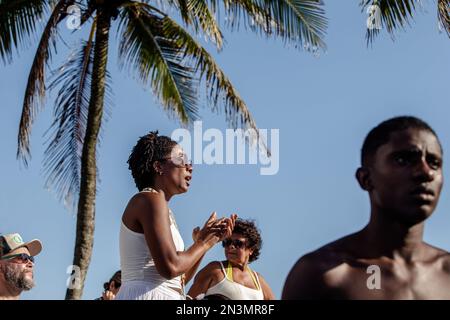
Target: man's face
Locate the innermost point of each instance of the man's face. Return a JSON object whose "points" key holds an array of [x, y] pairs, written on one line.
{"points": [[16, 272], [406, 175]]}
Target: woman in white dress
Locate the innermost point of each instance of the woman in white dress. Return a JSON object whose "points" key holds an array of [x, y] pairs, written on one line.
{"points": [[153, 260]]}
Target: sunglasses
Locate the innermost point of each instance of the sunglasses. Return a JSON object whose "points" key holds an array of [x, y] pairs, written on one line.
{"points": [[21, 257], [236, 243], [181, 161]]}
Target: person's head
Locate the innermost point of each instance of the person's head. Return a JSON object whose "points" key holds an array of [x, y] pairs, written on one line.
{"points": [[245, 243], [158, 161], [401, 168], [114, 283], [17, 262]]}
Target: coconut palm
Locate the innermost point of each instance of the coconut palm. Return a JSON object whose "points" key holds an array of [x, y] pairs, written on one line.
{"points": [[396, 14], [161, 51]]}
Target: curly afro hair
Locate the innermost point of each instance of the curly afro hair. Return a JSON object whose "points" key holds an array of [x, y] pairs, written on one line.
{"points": [[248, 229], [149, 148]]}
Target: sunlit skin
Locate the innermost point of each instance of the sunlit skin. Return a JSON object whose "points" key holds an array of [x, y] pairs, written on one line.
{"points": [[176, 180], [404, 181], [239, 259], [112, 291], [147, 213], [7, 291]]}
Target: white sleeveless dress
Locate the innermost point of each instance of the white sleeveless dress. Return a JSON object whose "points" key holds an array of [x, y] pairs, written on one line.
{"points": [[140, 279]]}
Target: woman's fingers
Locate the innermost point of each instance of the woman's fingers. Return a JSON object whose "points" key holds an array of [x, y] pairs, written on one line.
{"points": [[195, 233], [211, 218], [221, 228]]}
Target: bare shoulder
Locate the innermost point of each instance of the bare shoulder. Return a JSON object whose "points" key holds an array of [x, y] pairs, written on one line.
{"points": [[141, 207], [147, 198], [144, 202], [212, 270], [441, 257], [317, 274]]}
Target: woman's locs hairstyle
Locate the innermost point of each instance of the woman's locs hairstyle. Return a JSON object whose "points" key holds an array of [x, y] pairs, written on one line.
{"points": [[149, 148]]}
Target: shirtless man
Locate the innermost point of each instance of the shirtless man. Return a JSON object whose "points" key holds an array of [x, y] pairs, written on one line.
{"points": [[388, 259]]}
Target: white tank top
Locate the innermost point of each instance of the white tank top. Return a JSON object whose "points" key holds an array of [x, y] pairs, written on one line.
{"points": [[236, 291], [136, 261]]}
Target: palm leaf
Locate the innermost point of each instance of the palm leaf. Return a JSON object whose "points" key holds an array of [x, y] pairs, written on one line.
{"points": [[219, 87], [301, 22], [444, 15], [35, 88], [395, 14], [194, 13], [62, 162], [18, 21], [198, 14], [158, 61]]}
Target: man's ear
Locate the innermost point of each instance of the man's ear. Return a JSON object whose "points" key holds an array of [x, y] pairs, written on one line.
{"points": [[364, 179]]}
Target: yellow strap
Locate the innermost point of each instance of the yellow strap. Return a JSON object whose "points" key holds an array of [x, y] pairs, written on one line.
{"points": [[229, 271], [230, 274], [253, 277]]}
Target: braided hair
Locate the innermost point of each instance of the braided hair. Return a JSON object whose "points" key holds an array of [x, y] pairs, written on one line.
{"points": [[148, 149]]}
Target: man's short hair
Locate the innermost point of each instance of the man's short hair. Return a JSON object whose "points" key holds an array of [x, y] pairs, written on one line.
{"points": [[381, 134]]}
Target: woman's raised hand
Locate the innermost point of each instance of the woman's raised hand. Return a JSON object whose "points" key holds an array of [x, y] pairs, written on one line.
{"points": [[214, 230]]}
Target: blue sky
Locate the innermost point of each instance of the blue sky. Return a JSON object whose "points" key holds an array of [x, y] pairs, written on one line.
{"points": [[323, 106]]}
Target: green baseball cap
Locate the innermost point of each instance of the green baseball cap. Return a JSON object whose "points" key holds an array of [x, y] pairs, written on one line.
{"points": [[13, 241]]}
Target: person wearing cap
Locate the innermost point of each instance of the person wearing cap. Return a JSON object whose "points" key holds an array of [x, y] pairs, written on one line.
{"points": [[16, 265]]}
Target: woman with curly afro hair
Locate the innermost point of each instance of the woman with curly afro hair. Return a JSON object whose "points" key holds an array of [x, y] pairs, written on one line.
{"points": [[233, 279], [153, 259]]}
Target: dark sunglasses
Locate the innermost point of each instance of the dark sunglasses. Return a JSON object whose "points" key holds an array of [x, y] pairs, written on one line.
{"points": [[22, 257], [236, 243], [180, 161]]}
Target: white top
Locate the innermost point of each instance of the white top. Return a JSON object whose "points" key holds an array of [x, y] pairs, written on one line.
{"points": [[235, 291], [136, 261]]}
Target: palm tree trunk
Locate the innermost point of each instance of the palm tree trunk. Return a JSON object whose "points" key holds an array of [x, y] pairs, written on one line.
{"points": [[86, 203]]}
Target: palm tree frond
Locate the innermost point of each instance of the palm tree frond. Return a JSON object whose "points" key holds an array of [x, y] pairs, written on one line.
{"points": [[200, 14], [298, 21], [35, 88], [394, 14], [18, 20], [444, 15], [219, 87], [62, 162], [158, 60]]}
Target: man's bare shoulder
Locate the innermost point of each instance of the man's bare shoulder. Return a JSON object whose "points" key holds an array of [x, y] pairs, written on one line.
{"points": [[317, 274], [440, 256]]}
